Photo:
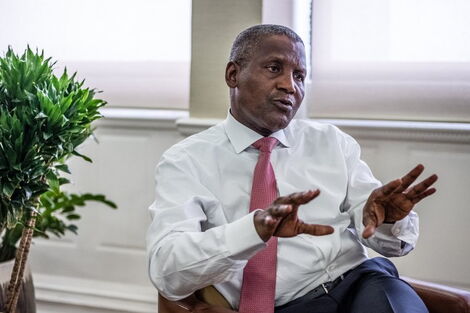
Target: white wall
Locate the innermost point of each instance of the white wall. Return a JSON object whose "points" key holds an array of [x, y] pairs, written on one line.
{"points": [[104, 268]]}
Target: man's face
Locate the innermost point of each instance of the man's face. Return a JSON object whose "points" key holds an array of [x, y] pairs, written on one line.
{"points": [[268, 90]]}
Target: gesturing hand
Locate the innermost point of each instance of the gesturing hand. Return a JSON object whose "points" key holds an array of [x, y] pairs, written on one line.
{"points": [[394, 201], [281, 219]]}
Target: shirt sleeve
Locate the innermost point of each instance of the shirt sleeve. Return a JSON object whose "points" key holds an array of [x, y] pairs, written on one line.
{"points": [[389, 239], [183, 257]]}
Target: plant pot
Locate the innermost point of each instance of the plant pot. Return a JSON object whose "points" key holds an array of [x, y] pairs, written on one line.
{"points": [[26, 300]]}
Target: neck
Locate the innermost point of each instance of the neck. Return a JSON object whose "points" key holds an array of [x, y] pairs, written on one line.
{"points": [[262, 131]]}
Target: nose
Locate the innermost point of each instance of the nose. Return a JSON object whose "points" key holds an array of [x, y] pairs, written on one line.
{"points": [[286, 83]]}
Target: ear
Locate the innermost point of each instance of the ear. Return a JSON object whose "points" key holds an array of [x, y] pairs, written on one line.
{"points": [[231, 74]]}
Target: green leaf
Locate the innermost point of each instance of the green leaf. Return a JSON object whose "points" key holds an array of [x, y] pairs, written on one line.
{"points": [[63, 168], [53, 180], [63, 181], [82, 156], [8, 189], [99, 198], [68, 209], [72, 228], [73, 217]]}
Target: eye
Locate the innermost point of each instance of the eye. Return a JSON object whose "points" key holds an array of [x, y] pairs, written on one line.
{"points": [[273, 68], [299, 76]]}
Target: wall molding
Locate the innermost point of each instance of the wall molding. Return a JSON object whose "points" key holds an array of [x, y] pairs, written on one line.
{"points": [[405, 130], [369, 129], [86, 293], [140, 118], [366, 129], [191, 126]]}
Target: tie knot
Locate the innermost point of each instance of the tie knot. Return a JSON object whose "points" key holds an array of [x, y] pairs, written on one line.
{"points": [[265, 144]]}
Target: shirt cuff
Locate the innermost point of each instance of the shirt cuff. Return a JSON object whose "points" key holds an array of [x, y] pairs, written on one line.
{"points": [[406, 229], [242, 239]]}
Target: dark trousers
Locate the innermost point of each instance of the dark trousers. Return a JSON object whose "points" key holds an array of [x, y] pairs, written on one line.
{"points": [[372, 287]]}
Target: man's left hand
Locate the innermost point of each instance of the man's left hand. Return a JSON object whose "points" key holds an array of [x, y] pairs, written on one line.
{"points": [[395, 200]]}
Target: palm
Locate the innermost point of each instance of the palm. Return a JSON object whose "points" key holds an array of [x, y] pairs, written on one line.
{"points": [[290, 225], [394, 201], [280, 218], [395, 207]]}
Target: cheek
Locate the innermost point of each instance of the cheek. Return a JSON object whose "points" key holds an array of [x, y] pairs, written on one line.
{"points": [[251, 94], [300, 96], [301, 90]]}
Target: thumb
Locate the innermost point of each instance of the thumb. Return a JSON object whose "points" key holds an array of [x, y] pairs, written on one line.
{"points": [[369, 230], [370, 222]]}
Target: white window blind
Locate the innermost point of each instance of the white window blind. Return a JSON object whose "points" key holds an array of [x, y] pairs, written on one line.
{"points": [[391, 59], [137, 52]]}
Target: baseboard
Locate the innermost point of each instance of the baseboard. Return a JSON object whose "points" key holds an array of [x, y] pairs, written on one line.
{"points": [[93, 294]]}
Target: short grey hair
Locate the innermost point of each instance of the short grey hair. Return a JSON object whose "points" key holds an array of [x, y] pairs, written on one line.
{"points": [[250, 38]]}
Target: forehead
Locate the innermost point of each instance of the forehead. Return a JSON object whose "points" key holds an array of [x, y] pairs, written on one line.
{"points": [[281, 48]]}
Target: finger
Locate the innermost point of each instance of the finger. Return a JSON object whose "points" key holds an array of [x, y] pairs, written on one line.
{"points": [[279, 210], [371, 222], [315, 229], [298, 198], [410, 177], [422, 186], [307, 196], [369, 230], [423, 195], [386, 189], [269, 221], [265, 224]]}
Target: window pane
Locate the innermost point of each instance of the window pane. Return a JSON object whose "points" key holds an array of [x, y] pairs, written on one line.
{"points": [[430, 30], [391, 59], [137, 52], [395, 30]]}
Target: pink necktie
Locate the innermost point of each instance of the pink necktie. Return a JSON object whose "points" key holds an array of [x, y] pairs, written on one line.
{"points": [[259, 275]]}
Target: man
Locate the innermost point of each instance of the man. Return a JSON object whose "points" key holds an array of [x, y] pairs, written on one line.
{"points": [[228, 210]]}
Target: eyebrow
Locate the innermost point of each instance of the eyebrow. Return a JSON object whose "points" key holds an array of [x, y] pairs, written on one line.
{"points": [[281, 58]]}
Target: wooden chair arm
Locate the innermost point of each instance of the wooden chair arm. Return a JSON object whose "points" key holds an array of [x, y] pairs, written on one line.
{"points": [[208, 295]]}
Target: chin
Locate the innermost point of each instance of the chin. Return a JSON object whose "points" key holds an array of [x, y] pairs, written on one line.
{"points": [[280, 125], [284, 121]]}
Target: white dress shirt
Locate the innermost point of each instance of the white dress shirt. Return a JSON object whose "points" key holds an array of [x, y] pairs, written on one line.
{"points": [[203, 234]]}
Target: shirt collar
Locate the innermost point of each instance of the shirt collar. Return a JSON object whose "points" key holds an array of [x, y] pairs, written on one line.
{"points": [[241, 137]]}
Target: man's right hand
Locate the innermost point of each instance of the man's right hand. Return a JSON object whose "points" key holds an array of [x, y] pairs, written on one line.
{"points": [[280, 218]]}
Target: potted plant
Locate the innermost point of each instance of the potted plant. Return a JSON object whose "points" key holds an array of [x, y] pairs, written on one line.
{"points": [[43, 119]]}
